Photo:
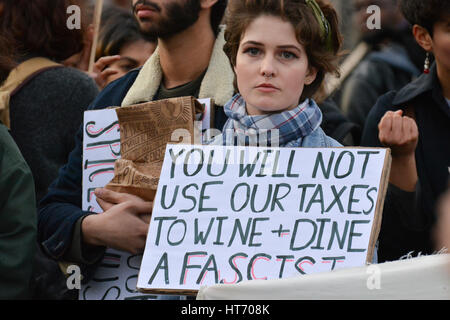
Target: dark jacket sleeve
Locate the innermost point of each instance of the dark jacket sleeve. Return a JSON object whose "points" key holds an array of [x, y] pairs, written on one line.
{"points": [[60, 210], [17, 221], [402, 223]]}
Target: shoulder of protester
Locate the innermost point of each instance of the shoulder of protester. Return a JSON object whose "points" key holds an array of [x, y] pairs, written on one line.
{"points": [[424, 84], [61, 81], [424, 87]]}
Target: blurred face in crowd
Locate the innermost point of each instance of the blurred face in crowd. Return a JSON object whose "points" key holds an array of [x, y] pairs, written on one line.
{"points": [[441, 44], [271, 66], [390, 15], [133, 55], [164, 18]]}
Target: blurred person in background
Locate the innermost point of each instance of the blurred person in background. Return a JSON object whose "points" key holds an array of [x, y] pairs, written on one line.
{"points": [[415, 123], [18, 221], [39, 107], [121, 47], [46, 101], [386, 59], [81, 59]]}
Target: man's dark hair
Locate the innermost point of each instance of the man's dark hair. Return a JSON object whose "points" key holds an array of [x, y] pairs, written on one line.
{"points": [[217, 14], [425, 13], [39, 27]]}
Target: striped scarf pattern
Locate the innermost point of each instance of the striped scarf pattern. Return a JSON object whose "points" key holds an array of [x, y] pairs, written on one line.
{"points": [[284, 129]]}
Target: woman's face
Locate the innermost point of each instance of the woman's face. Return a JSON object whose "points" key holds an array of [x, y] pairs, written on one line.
{"points": [[132, 55], [271, 66]]}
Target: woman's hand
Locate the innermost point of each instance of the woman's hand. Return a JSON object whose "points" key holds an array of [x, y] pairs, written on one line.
{"points": [[400, 134], [101, 71]]}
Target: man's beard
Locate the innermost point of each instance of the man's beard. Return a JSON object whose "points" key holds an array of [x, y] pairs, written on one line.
{"points": [[178, 17]]}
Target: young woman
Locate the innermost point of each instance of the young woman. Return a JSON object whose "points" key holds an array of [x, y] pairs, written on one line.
{"points": [[280, 51], [415, 123]]}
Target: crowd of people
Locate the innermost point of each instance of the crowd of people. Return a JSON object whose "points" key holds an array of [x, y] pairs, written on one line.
{"points": [[265, 64]]}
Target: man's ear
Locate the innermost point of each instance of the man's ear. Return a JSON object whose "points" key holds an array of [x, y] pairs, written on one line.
{"points": [[423, 37], [206, 4], [311, 76]]}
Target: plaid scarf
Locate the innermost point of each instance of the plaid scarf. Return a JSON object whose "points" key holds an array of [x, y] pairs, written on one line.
{"points": [[284, 129]]}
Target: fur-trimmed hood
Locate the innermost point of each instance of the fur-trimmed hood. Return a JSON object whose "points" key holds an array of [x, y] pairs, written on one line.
{"points": [[217, 83]]}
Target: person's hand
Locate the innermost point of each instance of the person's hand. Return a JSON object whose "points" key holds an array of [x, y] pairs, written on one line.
{"points": [[399, 133], [106, 199], [122, 226], [101, 71]]}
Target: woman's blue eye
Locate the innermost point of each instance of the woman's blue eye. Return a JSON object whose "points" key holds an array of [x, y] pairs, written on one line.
{"points": [[288, 55], [252, 51]]}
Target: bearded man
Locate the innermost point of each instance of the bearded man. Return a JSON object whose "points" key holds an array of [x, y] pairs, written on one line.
{"points": [[189, 61]]}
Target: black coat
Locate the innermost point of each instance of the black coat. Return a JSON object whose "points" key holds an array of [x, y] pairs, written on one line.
{"points": [[409, 218]]}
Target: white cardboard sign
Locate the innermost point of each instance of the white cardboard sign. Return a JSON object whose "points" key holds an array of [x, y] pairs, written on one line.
{"points": [[116, 276], [229, 214]]}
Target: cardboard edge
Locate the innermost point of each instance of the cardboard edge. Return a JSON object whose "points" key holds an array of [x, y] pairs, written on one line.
{"points": [[378, 215], [169, 292]]}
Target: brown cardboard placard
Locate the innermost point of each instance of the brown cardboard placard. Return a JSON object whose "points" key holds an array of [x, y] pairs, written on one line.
{"points": [[145, 129]]}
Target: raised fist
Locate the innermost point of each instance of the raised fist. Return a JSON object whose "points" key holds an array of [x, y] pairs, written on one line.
{"points": [[399, 133]]}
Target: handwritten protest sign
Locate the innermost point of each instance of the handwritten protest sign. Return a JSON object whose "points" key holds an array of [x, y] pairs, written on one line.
{"points": [[228, 214], [116, 275]]}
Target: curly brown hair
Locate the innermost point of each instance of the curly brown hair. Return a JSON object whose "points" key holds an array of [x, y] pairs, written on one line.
{"points": [[39, 27], [241, 13]]}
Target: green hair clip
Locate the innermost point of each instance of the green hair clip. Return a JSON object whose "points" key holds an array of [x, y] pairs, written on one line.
{"points": [[325, 26]]}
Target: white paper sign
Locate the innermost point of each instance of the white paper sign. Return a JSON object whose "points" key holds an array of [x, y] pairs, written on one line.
{"points": [[116, 276], [228, 214]]}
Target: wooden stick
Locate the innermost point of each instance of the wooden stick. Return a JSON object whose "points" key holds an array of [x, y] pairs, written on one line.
{"points": [[97, 22]]}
